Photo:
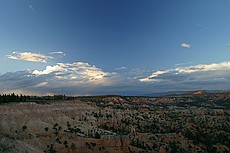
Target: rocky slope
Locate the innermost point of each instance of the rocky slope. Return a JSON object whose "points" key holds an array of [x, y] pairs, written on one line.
{"points": [[31, 127]]}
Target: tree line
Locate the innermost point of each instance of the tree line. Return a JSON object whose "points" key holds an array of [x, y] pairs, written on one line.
{"points": [[7, 98]]}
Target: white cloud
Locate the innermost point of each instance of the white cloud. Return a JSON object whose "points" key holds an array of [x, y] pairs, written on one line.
{"points": [[81, 78], [185, 45], [204, 67], [74, 71], [48, 70], [59, 52], [190, 71], [154, 75], [29, 56], [227, 45]]}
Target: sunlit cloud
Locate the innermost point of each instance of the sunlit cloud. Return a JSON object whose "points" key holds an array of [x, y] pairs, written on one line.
{"points": [[29, 56], [152, 77], [208, 71], [204, 67], [48, 70], [78, 78], [74, 71], [185, 45]]}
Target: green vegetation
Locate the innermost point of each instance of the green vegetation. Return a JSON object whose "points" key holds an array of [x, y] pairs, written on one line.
{"points": [[73, 147], [4, 148], [50, 149], [24, 127], [46, 129], [23, 98], [97, 135], [13, 98]]}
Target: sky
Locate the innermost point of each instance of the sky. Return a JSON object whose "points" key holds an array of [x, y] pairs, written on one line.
{"points": [[125, 47]]}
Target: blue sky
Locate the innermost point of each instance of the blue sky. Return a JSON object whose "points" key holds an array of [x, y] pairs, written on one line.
{"points": [[128, 47]]}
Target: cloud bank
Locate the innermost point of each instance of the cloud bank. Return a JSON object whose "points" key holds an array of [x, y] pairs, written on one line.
{"points": [[203, 76], [78, 78], [205, 71], [82, 78]]}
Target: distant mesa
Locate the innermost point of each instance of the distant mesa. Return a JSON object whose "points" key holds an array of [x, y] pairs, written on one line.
{"points": [[199, 92]]}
